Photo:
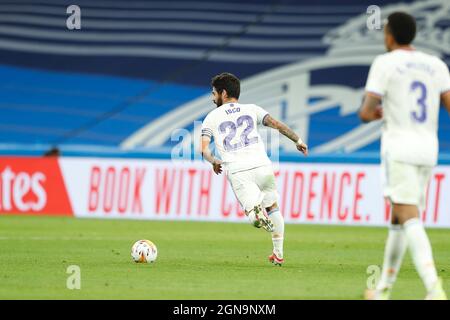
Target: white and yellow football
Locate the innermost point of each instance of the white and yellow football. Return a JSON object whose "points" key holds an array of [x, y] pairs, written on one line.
{"points": [[144, 251]]}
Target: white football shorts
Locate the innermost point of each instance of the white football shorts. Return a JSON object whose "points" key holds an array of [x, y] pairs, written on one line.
{"points": [[254, 186], [406, 183]]}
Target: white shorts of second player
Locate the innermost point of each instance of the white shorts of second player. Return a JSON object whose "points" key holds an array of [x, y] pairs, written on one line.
{"points": [[406, 183], [254, 187]]}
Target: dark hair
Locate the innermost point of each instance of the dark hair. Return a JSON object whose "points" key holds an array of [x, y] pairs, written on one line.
{"points": [[53, 152], [229, 82], [402, 26]]}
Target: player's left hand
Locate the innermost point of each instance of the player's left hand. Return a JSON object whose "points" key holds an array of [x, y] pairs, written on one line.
{"points": [[303, 148], [217, 166]]}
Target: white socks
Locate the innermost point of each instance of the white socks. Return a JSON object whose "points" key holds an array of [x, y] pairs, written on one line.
{"points": [[278, 233], [394, 251], [252, 217], [421, 253], [412, 234]]}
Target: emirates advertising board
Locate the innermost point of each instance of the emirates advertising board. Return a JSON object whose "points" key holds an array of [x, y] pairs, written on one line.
{"points": [[315, 193]]}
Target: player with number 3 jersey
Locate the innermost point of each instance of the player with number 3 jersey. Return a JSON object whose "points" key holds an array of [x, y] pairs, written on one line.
{"points": [[234, 128], [410, 86]]}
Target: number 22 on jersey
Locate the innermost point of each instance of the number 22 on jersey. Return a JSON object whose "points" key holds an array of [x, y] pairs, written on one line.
{"points": [[231, 127]]}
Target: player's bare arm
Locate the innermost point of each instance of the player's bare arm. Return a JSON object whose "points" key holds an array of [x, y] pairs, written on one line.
{"points": [[445, 98], [287, 132], [208, 156], [371, 108]]}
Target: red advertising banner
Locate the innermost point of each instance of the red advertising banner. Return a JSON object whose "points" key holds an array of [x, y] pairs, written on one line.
{"points": [[343, 194], [33, 185]]}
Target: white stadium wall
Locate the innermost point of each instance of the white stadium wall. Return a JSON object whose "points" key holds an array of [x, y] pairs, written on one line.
{"points": [[318, 193]]}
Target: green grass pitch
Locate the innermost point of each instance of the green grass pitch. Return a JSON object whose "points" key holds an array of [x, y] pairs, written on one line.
{"points": [[196, 260]]}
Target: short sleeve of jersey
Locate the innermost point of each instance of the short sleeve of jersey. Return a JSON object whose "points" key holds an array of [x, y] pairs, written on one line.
{"points": [[378, 77], [260, 114], [445, 79], [207, 129]]}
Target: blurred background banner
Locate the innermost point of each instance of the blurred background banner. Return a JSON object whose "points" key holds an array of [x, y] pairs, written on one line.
{"points": [[137, 71], [311, 193]]}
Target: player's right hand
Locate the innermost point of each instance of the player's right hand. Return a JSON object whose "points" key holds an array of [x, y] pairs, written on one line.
{"points": [[302, 147], [379, 112], [217, 166]]}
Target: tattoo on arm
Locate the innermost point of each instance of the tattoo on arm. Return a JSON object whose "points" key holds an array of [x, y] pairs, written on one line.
{"points": [[281, 127]]}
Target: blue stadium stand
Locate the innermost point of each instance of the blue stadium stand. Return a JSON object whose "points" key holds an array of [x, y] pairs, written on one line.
{"points": [[133, 62]]}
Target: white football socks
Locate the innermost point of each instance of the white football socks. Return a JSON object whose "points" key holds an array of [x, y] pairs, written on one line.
{"points": [[278, 232], [421, 253], [252, 217], [394, 251]]}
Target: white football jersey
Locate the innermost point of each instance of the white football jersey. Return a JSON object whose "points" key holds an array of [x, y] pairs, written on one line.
{"points": [[410, 84], [234, 127]]}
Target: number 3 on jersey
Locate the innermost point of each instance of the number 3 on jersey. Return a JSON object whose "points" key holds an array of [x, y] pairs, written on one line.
{"points": [[420, 116], [232, 127]]}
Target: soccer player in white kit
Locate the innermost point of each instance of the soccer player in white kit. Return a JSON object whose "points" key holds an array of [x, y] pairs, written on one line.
{"points": [[409, 85], [234, 127]]}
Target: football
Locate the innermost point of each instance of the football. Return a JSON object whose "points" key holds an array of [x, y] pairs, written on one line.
{"points": [[144, 251]]}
